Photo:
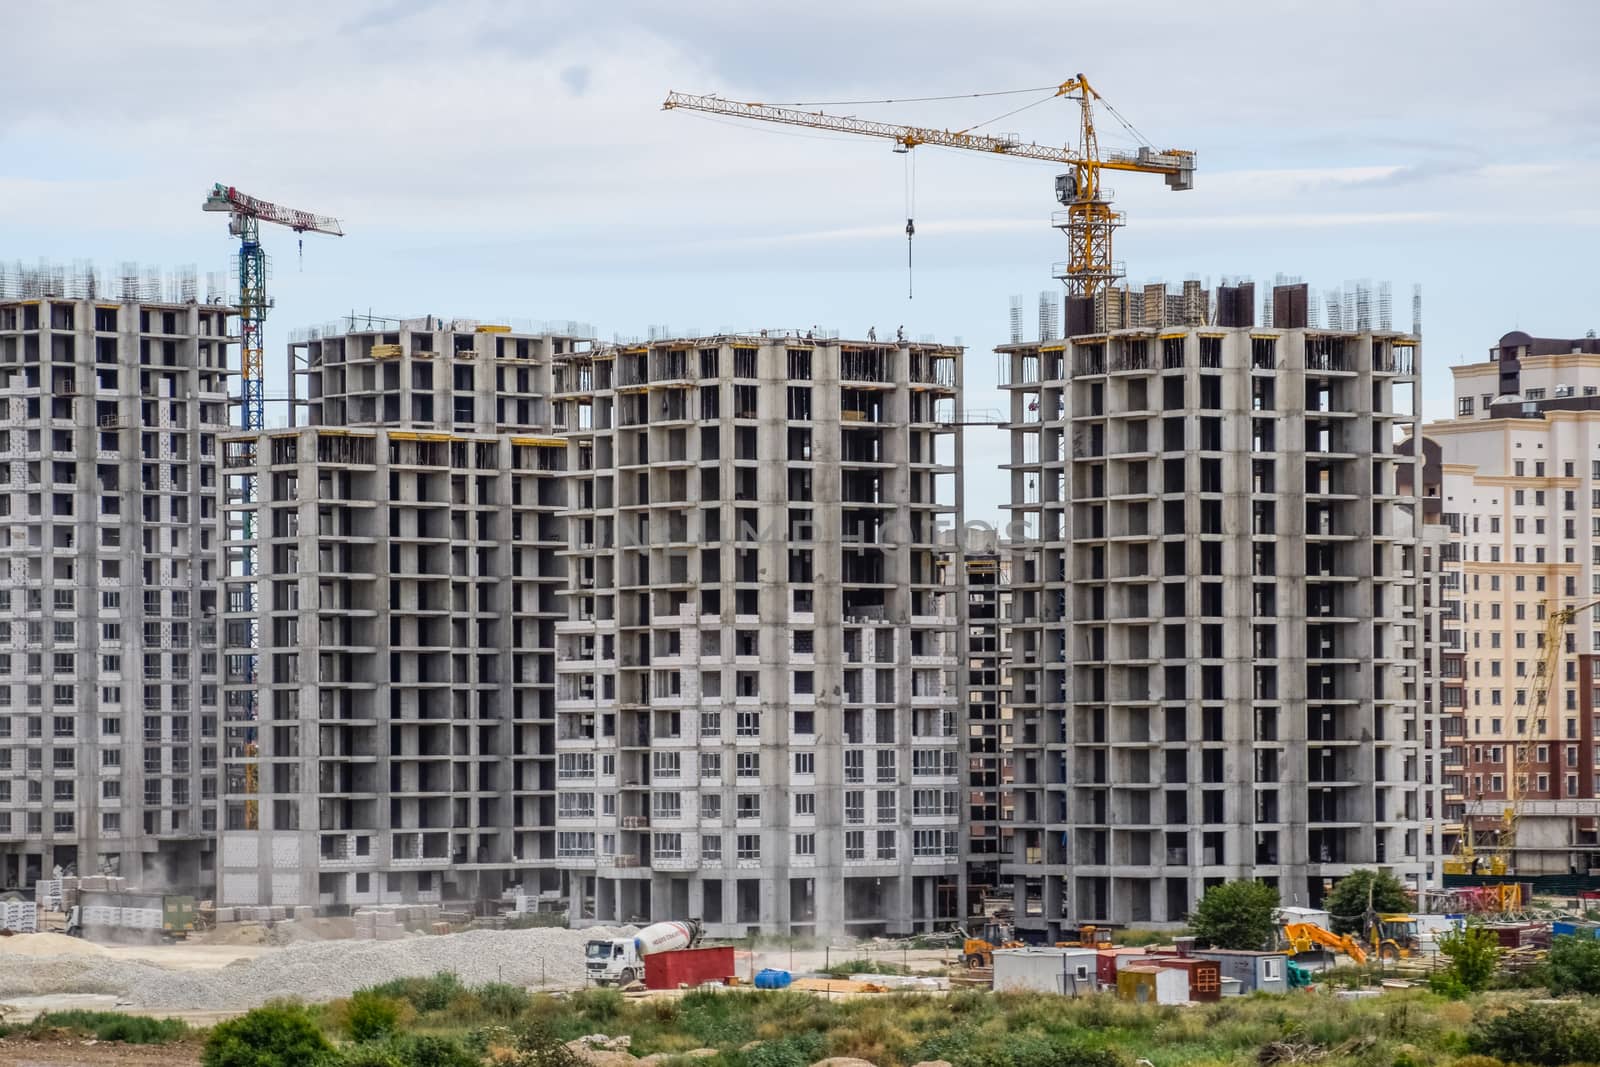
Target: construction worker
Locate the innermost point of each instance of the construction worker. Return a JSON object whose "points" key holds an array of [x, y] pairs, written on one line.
{"points": [[900, 333], [872, 333]]}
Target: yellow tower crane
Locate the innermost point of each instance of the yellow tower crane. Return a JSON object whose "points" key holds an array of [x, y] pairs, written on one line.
{"points": [[1088, 220], [1503, 859]]}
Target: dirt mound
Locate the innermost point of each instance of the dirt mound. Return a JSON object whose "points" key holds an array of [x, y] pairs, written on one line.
{"points": [[38, 946]]}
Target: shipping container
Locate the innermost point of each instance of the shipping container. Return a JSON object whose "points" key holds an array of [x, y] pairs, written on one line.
{"points": [[688, 967]]}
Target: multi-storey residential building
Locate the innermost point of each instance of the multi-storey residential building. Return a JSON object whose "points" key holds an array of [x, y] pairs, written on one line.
{"points": [[1520, 473], [110, 545], [757, 670], [1215, 645], [406, 565], [988, 824]]}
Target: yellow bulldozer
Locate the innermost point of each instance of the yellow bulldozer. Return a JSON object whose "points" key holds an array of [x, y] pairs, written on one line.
{"points": [[978, 951]]}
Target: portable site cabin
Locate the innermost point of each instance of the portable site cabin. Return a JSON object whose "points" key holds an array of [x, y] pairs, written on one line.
{"points": [[1205, 976], [1148, 984], [1112, 960], [1265, 972], [1046, 970]]}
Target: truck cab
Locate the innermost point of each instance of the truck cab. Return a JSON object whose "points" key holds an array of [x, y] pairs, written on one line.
{"points": [[613, 960]]}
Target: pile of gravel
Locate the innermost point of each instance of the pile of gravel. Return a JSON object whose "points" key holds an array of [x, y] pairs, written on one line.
{"points": [[314, 971]]}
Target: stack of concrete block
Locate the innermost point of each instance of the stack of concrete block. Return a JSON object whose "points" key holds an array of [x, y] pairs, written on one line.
{"points": [[19, 916], [227, 915], [304, 913]]}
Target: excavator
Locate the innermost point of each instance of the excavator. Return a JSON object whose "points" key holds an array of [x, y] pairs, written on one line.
{"points": [[978, 952], [1303, 937]]}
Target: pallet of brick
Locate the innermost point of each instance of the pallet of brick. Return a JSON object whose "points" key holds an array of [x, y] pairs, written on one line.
{"points": [[441, 928], [19, 916]]}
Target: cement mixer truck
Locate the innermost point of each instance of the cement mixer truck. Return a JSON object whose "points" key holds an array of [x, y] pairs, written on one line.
{"points": [[620, 960]]}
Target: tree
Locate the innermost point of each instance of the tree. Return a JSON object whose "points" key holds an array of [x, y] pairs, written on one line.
{"points": [[1473, 952], [1574, 965], [1360, 890], [278, 1035], [1235, 915]]}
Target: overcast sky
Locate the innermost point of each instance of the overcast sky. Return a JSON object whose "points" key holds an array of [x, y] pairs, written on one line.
{"points": [[501, 159]]}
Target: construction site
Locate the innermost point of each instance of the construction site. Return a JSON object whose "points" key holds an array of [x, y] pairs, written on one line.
{"points": [[506, 652]]}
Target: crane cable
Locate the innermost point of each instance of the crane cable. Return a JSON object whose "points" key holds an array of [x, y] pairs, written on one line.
{"points": [[911, 212], [918, 99]]}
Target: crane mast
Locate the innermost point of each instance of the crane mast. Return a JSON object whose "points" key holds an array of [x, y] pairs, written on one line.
{"points": [[1088, 219], [1518, 781], [245, 215]]}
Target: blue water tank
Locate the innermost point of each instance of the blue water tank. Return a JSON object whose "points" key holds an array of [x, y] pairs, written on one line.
{"points": [[771, 979]]}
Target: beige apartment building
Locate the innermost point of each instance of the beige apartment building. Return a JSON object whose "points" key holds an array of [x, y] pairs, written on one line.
{"points": [[1520, 479]]}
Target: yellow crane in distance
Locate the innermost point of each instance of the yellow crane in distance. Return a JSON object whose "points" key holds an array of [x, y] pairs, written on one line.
{"points": [[1088, 219], [1502, 860], [1555, 625]]}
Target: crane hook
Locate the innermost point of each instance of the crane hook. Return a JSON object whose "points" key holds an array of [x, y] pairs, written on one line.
{"points": [[911, 231]]}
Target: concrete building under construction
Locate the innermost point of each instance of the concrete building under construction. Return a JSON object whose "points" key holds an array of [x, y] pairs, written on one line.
{"points": [[406, 568], [1215, 647], [112, 400], [757, 667]]}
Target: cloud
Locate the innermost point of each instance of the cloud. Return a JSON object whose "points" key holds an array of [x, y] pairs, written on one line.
{"points": [[515, 153]]}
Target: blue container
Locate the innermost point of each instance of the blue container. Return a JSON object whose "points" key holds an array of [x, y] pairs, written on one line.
{"points": [[771, 979]]}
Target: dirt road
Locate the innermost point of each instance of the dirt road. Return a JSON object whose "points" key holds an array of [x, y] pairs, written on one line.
{"points": [[73, 1052]]}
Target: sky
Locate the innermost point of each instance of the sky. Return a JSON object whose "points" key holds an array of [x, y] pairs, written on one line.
{"points": [[496, 160]]}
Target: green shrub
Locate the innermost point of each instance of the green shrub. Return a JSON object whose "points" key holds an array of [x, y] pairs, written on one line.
{"points": [[433, 993], [501, 1000], [370, 1054], [1474, 953], [431, 1050], [792, 1050], [278, 1035], [598, 1005], [1235, 915], [1574, 965], [370, 1016], [538, 1046], [1546, 1035], [113, 1026]]}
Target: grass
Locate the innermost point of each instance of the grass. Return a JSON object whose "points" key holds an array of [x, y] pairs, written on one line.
{"points": [[845, 968], [1411, 1028], [441, 1022]]}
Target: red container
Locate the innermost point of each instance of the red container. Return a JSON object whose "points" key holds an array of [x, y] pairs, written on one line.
{"points": [[689, 966]]}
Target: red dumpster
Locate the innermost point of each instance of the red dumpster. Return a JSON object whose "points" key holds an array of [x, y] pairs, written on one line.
{"points": [[688, 967]]}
